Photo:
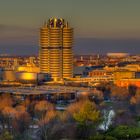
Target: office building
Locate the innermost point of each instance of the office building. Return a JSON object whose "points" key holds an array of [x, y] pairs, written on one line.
{"points": [[56, 55]]}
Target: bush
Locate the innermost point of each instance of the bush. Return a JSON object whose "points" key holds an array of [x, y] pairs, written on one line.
{"points": [[102, 137], [125, 132], [6, 136]]}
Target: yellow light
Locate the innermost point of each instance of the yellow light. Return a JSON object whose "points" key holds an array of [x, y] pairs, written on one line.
{"points": [[28, 76]]}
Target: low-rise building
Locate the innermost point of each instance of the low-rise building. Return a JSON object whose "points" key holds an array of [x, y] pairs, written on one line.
{"points": [[124, 74], [100, 72], [127, 82]]}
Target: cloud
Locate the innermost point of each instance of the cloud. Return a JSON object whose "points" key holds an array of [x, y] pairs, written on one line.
{"points": [[6, 27], [109, 34], [14, 34], [15, 30]]}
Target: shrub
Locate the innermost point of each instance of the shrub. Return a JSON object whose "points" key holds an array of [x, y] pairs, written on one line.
{"points": [[102, 137], [125, 132]]}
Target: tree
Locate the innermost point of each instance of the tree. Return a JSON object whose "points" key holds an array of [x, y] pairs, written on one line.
{"points": [[108, 116], [96, 96], [42, 107], [46, 123], [132, 90], [87, 113], [5, 100], [123, 117], [26, 102], [49, 116], [21, 108], [74, 107], [6, 136], [21, 122], [87, 117], [6, 103], [119, 93], [8, 114]]}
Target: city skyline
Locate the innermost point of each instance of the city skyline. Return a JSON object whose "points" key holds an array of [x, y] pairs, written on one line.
{"points": [[106, 25]]}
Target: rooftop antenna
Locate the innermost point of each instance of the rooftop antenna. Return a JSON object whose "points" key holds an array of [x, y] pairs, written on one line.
{"points": [[67, 25], [45, 23]]}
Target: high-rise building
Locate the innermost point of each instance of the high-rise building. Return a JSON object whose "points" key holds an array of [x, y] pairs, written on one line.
{"points": [[56, 54]]}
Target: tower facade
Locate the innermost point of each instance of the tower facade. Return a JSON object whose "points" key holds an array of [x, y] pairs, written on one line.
{"points": [[56, 54]]}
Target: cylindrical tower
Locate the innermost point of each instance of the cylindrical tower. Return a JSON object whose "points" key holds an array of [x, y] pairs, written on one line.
{"points": [[55, 43], [44, 51], [56, 56], [67, 52]]}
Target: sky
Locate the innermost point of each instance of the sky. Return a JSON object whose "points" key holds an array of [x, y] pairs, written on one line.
{"points": [[100, 26]]}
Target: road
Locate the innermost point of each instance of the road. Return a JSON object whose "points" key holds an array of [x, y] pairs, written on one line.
{"points": [[43, 90]]}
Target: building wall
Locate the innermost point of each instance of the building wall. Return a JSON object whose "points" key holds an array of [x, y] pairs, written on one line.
{"points": [[28, 69], [132, 67], [99, 73], [67, 52], [124, 75]]}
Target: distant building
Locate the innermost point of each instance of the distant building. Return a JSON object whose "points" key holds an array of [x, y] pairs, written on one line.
{"points": [[27, 68], [100, 73], [95, 79], [56, 55], [127, 82], [124, 74], [8, 75], [132, 67], [29, 77], [117, 55], [79, 71]]}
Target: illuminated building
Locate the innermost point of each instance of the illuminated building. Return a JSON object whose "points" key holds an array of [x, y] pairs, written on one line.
{"points": [[8, 75], [29, 77], [99, 73], [132, 67], [117, 55], [127, 82], [124, 74], [28, 68], [56, 56]]}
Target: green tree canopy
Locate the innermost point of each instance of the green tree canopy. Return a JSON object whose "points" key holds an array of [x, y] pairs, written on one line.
{"points": [[87, 113]]}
